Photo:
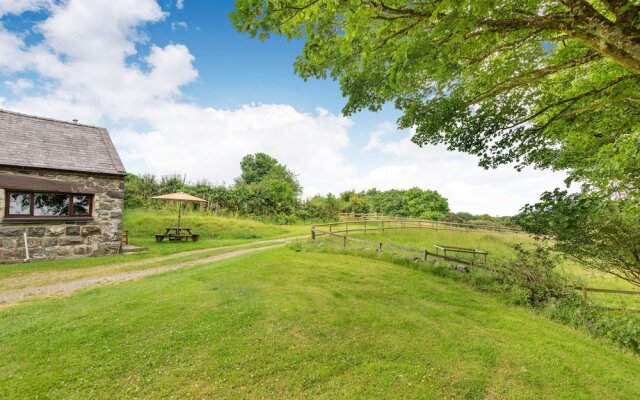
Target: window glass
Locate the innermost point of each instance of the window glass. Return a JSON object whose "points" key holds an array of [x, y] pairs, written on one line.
{"points": [[51, 205], [81, 205], [19, 203]]}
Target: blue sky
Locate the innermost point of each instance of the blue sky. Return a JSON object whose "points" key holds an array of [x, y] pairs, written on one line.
{"points": [[181, 91]]}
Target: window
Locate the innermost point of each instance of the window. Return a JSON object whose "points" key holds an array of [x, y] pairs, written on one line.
{"points": [[48, 205], [19, 204]]}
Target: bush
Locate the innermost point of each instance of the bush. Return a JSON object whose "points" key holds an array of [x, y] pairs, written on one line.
{"points": [[621, 327], [531, 277]]}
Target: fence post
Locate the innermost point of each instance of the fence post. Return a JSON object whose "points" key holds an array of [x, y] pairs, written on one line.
{"points": [[126, 237], [344, 242], [313, 232], [584, 293], [426, 254], [379, 247], [382, 226]]}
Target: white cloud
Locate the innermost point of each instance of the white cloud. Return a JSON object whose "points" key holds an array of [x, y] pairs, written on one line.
{"points": [[179, 25], [19, 6], [170, 134], [501, 191], [19, 86], [208, 143], [180, 4], [95, 63]]}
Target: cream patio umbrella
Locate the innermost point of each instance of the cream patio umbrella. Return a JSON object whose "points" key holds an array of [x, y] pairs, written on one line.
{"points": [[180, 197]]}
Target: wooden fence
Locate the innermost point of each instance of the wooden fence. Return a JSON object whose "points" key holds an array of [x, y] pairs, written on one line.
{"points": [[585, 291], [368, 222], [423, 254], [420, 254]]}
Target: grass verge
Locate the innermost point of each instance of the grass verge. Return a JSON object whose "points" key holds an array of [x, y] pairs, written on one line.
{"points": [[301, 325]]}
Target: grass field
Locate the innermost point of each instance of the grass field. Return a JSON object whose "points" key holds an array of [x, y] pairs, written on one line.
{"points": [[286, 324], [142, 225], [499, 246], [213, 230]]}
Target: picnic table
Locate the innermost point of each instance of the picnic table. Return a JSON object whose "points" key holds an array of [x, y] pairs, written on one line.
{"points": [[177, 234]]}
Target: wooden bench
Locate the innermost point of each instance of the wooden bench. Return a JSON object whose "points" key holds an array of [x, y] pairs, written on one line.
{"points": [[160, 237]]}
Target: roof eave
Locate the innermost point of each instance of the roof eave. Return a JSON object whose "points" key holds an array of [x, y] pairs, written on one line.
{"points": [[72, 171]]}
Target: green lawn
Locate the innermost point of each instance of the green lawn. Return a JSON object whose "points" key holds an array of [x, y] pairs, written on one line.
{"points": [[286, 324], [499, 246], [213, 230], [142, 225]]}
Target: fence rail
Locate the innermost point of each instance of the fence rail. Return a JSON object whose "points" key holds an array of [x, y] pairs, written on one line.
{"points": [[424, 255], [585, 291], [380, 246], [383, 223]]}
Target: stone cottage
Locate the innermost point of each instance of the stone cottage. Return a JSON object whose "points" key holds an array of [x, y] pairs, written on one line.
{"points": [[61, 183]]}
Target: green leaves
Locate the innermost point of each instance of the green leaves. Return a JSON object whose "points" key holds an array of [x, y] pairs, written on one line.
{"points": [[518, 81], [590, 227]]}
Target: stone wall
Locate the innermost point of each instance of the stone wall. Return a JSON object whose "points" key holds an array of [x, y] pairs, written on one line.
{"points": [[64, 239]]}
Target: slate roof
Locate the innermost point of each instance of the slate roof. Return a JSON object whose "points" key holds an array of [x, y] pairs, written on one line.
{"points": [[36, 142]]}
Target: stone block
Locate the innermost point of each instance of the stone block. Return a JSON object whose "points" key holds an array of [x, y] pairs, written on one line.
{"points": [[11, 231], [64, 251], [99, 250], [8, 243], [82, 250], [11, 255], [105, 205], [37, 254], [36, 231], [34, 243], [113, 247], [51, 252], [50, 242], [55, 230], [70, 240], [90, 230], [73, 230], [116, 194]]}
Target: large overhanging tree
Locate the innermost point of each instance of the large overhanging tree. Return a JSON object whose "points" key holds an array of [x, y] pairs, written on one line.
{"points": [[554, 84], [549, 83]]}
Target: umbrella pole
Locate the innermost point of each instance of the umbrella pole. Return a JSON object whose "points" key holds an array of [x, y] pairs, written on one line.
{"points": [[179, 215]]}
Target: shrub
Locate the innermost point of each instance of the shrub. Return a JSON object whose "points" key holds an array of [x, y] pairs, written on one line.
{"points": [[621, 327], [531, 277]]}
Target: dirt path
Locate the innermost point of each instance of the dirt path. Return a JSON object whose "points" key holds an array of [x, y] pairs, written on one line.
{"points": [[68, 287], [41, 278]]}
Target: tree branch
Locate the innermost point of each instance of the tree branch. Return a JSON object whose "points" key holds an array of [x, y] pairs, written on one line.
{"points": [[574, 99], [534, 75]]}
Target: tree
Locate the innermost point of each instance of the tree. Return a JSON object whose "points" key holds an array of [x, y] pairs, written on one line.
{"points": [[270, 187], [590, 228], [353, 202], [414, 202], [260, 166], [139, 190], [427, 204], [172, 183], [550, 83]]}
